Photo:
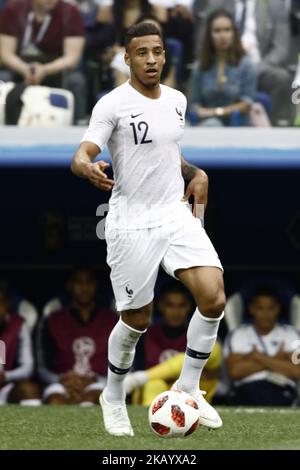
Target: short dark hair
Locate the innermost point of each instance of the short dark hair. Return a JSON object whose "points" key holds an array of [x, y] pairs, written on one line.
{"points": [[78, 268], [141, 29], [175, 287], [264, 291]]}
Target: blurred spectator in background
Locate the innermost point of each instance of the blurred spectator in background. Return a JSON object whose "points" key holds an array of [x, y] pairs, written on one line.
{"points": [[105, 40], [72, 344], [124, 13], [41, 43], [259, 356], [15, 384], [224, 80], [127, 12], [121, 15], [100, 40], [97, 19], [176, 21], [264, 29], [158, 354], [179, 23]]}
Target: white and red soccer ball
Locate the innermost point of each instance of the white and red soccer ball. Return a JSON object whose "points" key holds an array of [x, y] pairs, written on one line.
{"points": [[174, 414]]}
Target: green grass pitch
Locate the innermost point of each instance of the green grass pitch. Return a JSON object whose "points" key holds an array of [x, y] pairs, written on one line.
{"points": [[72, 428]]}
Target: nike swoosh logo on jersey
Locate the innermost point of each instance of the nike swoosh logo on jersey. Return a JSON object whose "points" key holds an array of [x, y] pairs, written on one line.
{"points": [[136, 115]]}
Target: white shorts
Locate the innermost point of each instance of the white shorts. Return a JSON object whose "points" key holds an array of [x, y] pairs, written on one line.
{"points": [[134, 257]]}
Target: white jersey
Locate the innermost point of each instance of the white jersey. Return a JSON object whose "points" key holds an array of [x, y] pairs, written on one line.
{"points": [[245, 338], [143, 137]]}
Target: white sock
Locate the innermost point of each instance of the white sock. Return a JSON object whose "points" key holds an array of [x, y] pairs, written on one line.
{"points": [[31, 402], [86, 404], [121, 351], [201, 337]]}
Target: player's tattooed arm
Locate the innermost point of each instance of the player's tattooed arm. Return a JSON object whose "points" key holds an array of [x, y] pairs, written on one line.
{"points": [[84, 166], [198, 184]]}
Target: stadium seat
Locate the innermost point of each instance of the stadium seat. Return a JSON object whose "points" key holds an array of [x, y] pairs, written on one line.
{"points": [[44, 106], [25, 309], [54, 304], [5, 88], [28, 311], [38, 105], [236, 312]]}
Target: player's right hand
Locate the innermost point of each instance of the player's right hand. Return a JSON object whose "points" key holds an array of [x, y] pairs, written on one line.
{"points": [[96, 175]]}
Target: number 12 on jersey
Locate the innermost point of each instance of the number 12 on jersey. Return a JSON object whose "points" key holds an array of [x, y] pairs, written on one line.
{"points": [[141, 127]]}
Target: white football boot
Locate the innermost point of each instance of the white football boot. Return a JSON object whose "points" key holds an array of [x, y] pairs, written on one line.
{"points": [[115, 417], [209, 417]]}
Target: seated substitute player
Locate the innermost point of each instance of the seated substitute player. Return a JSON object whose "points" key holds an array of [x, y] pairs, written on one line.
{"points": [[259, 356], [72, 345], [161, 350], [15, 374], [149, 220]]}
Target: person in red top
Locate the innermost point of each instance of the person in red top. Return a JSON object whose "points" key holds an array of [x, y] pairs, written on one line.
{"points": [[72, 344], [41, 43], [16, 358], [168, 337]]}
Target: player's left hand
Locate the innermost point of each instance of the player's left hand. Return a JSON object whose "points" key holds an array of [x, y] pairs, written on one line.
{"points": [[197, 187]]}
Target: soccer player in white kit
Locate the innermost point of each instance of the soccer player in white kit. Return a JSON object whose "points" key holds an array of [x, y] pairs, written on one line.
{"points": [[149, 222]]}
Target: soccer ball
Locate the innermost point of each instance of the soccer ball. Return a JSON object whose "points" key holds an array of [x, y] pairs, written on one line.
{"points": [[174, 414]]}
